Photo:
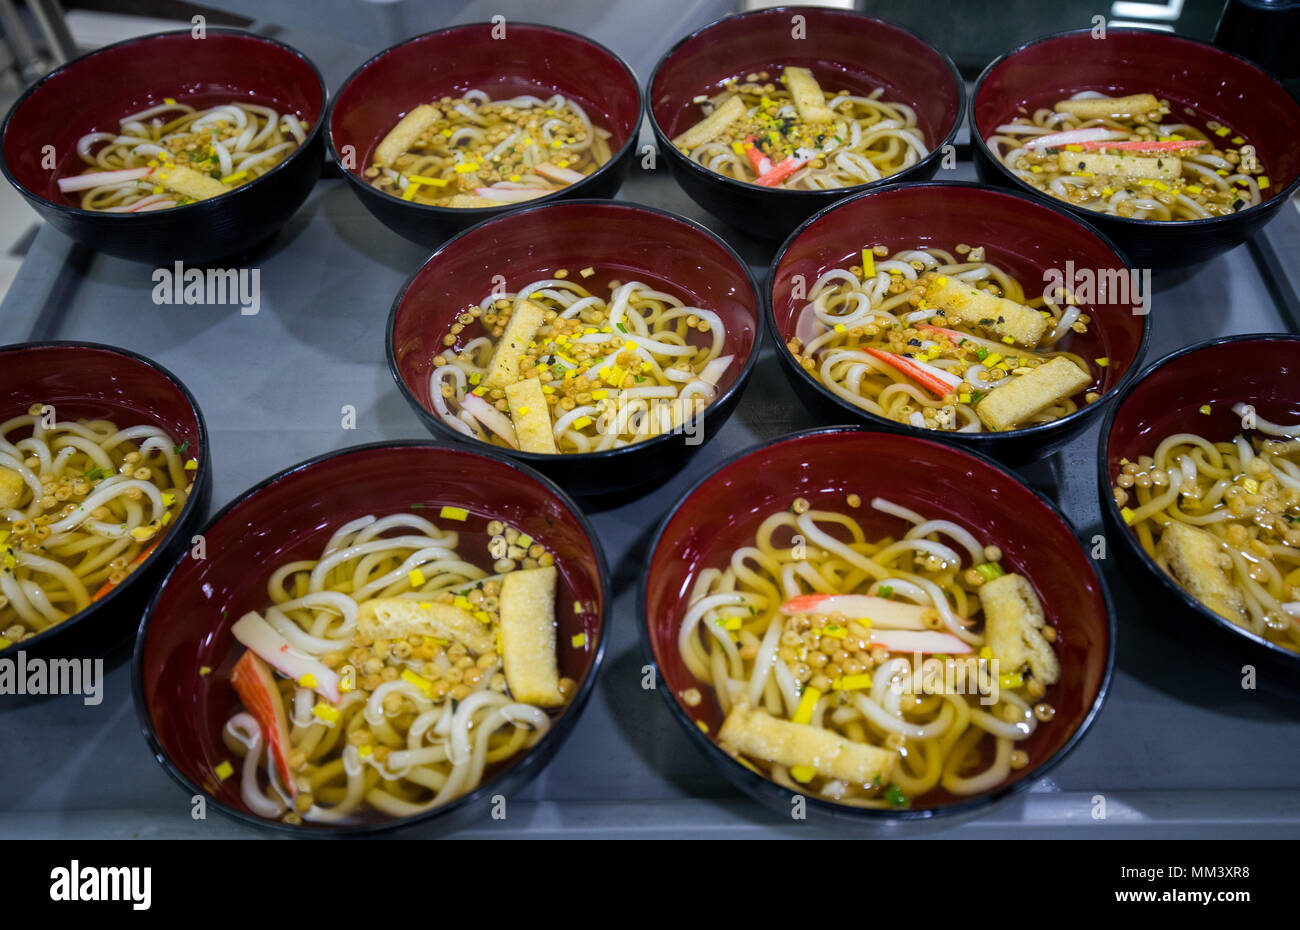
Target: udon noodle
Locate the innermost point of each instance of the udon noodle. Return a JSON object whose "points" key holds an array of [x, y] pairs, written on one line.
{"points": [[174, 154], [1120, 156], [473, 151], [788, 134], [82, 504], [390, 675], [554, 367], [943, 341], [1223, 519], [871, 672]]}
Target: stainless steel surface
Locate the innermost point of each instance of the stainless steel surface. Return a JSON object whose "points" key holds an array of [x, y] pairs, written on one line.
{"points": [[1179, 751]]}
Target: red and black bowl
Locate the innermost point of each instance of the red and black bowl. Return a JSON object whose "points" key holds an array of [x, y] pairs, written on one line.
{"points": [[1262, 370], [85, 381], [844, 50], [1216, 84], [184, 651], [40, 141], [617, 241], [722, 512], [1021, 235], [526, 59]]}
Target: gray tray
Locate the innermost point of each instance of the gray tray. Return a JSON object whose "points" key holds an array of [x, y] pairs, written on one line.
{"points": [[1180, 750]]}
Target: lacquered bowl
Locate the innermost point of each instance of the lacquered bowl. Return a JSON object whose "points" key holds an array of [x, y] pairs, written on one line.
{"points": [[619, 241], [291, 516], [530, 59], [1020, 234], [93, 92], [87, 381], [723, 510], [1217, 84], [843, 50], [1262, 370]]}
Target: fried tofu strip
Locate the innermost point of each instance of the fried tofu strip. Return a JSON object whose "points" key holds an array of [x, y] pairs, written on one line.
{"points": [[1024, 396], [1013, 627], [1129, 167], [399, 617], [531, 415], [1101, 107], [974, 307], [189, 183], [1194, 559], [402, 136], [808, 97], [757, 733], [503, 367], [528, 636], [11, 488], [713, 125]]}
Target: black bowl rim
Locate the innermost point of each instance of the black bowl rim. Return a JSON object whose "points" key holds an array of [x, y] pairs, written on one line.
{"points": [[835, 193], [484, 212], [964, 440], [555, 736], [756, 785], [68, 210], [977, 141], [202, 478], [542, 459], [1112, 509]]}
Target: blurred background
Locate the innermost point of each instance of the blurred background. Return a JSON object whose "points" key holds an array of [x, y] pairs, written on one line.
{"points": [[37, 36]]}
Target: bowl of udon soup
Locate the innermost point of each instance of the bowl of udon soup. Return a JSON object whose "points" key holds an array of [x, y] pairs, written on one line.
{"points": [[602, 343], [452, 127], [1199, 471], [890, 628], [1174, 148], [390, 635], [766, 117], [181, 148], [104, 474], [957, 312]]}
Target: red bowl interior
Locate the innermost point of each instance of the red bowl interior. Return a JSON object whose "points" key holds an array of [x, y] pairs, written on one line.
{"points": [[106, 85], [844, 50], [90, 382], [292, 517], [619, 241], [530, 59], [1216, 84], [1263, 371], [723, 513], [1023, 237]]}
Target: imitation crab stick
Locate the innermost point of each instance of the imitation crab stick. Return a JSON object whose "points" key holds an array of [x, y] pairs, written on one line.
{"points": [[144, 554], [935, 380], [1073, 137], [255, 686], [770, 175], [880, 611], [788, 166], [928, 641], [760, 162], [491, 418], [264, 640], [512, 194]]}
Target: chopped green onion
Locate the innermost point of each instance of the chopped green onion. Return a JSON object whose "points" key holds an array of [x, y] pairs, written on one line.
{"points": [[990, 570]]}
